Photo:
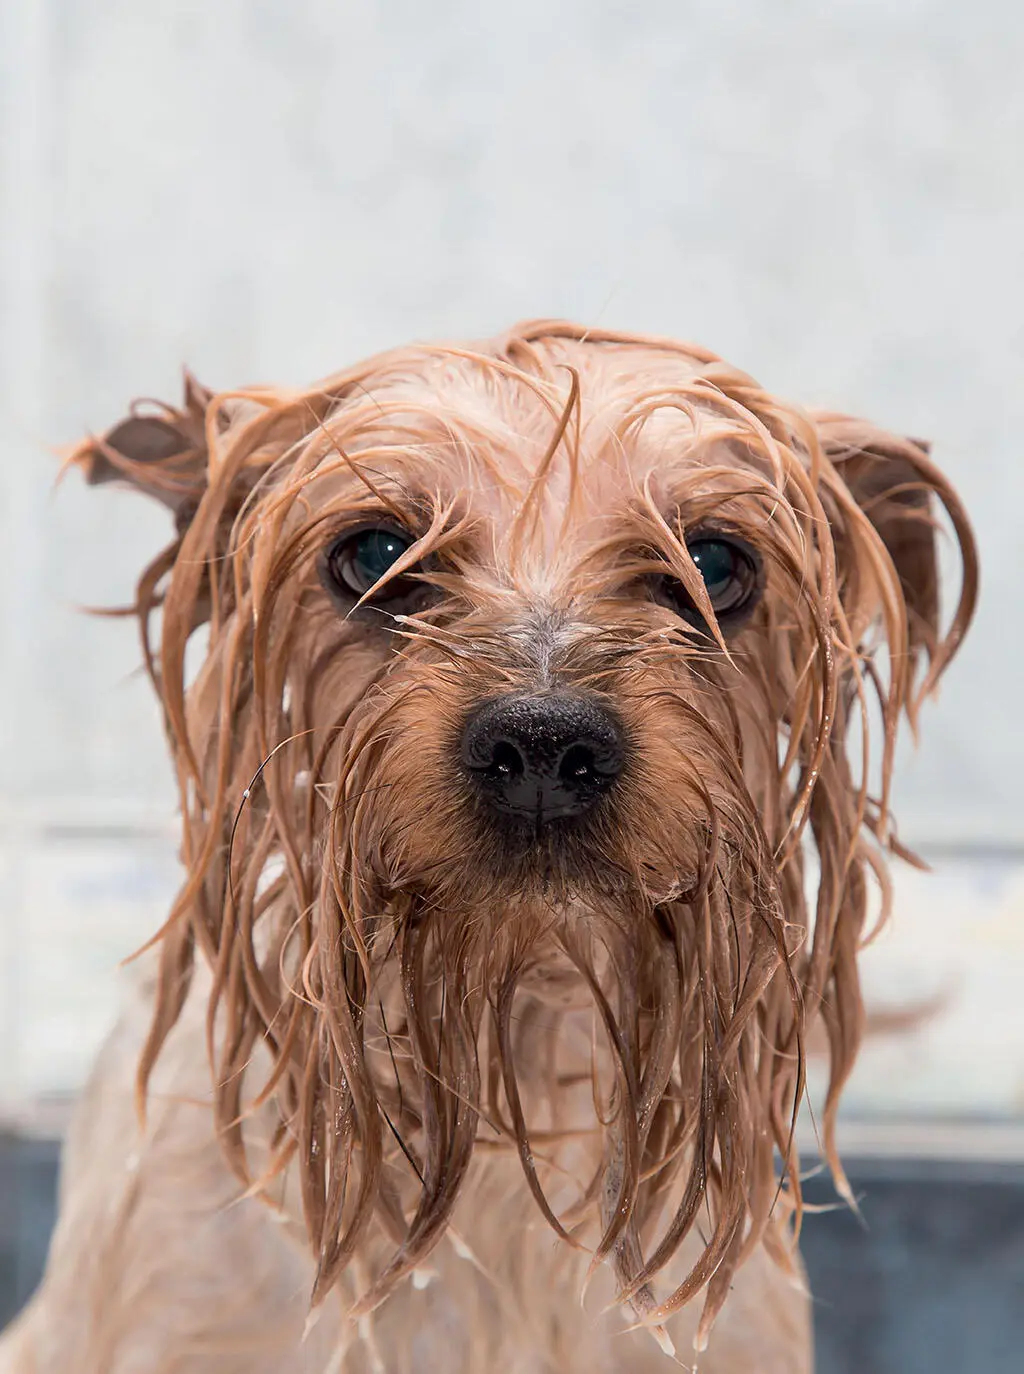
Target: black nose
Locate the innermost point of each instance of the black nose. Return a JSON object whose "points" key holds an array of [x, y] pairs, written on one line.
{"points": [[542, 757]]}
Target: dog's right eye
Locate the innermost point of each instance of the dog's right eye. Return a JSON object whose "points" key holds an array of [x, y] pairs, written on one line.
{"points": [[356, 562], [733, 574]]}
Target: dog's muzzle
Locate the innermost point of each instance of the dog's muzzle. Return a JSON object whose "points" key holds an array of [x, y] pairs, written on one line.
{"points": [[542, 758]]}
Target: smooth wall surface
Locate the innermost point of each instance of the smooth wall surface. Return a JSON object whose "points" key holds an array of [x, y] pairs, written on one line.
{"points": [[828, 192]]}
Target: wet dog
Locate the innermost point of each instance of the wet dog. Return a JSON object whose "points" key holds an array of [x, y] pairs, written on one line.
{"points": [[519, 695]]}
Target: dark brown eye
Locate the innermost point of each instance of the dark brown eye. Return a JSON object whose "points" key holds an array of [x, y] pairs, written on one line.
{"points": [[356, 562], [732, 573]]}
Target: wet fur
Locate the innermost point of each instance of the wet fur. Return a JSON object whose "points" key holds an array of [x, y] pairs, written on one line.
{"points": [[417, 1018]]}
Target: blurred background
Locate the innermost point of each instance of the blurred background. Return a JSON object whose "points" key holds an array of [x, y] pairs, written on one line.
{"points": [[828, 192]]}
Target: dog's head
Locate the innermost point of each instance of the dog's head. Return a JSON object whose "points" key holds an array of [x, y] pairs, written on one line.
{"points": [[527, 681]]}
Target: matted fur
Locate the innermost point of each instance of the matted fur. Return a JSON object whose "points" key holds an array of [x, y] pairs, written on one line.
{"points": [[626, 1009]]}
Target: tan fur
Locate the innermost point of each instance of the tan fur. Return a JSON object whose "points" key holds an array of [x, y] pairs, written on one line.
{"points": [[462, 1083]]}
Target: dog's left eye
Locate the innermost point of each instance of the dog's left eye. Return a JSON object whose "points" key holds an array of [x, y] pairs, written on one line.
{"points": [[732, 574], [728, 572], [356, 562]]}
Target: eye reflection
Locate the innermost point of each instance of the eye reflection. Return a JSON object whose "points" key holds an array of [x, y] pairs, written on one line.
{"points": [[733, 576], [355, 562]]}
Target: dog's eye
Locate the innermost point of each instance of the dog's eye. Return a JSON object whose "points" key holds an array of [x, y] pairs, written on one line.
{"points": [[732, 574], [356, 562], [728, 572]]}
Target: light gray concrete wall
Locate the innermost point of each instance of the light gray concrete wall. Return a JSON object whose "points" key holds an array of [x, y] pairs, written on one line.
{"points": [[829, 192]]}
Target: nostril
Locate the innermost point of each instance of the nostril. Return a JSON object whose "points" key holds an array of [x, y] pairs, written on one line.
{"points": [[578, 765], [506, 762]]}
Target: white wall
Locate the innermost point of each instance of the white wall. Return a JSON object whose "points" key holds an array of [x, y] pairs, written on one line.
{"points": [[829, 192]]}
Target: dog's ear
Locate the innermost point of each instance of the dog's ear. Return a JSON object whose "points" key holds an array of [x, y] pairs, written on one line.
{"points": [[157, 449], [900, 491]]}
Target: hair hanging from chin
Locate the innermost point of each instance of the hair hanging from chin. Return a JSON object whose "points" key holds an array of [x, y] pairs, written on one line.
{"points": [[415, 1006]]}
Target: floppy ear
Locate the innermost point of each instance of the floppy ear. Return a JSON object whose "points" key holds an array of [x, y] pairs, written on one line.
{"points": [[900, 491], [161, 452]]}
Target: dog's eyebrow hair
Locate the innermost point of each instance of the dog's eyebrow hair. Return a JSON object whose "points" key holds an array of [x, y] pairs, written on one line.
{"points": [[415, 496]]}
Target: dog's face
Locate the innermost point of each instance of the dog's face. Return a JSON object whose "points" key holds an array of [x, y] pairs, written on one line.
{"points": [[529, 681]]}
